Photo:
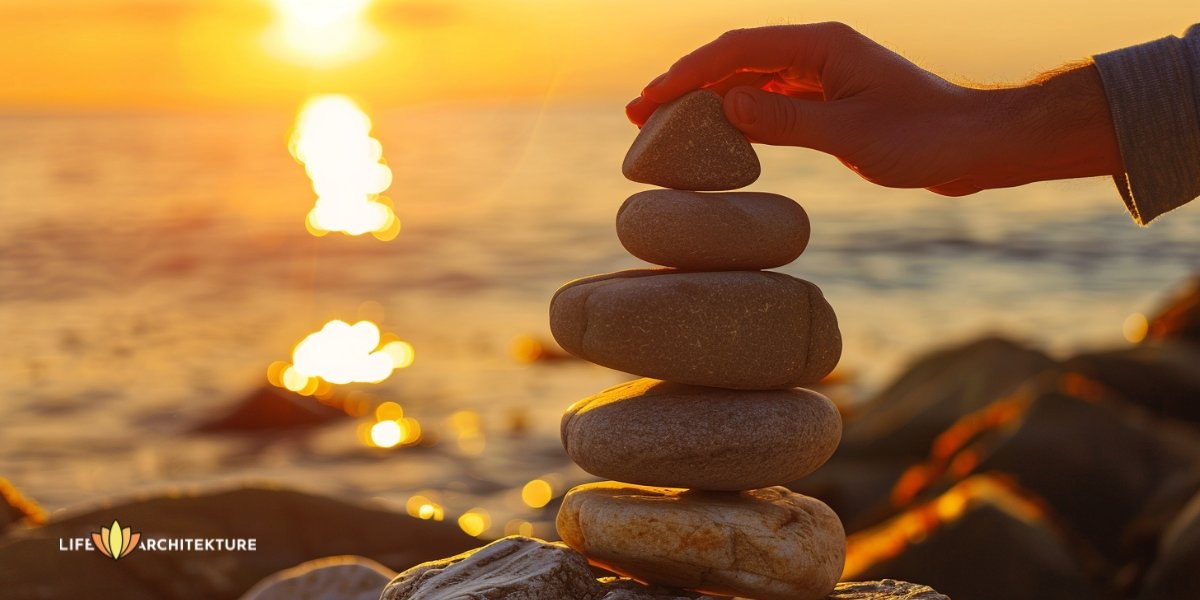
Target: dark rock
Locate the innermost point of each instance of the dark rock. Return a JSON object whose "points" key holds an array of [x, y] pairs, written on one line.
{"points": [[857, 489], [621, 588], [1095, 460], [1143, 538], [887, 589], [1162, 377], [980, 540], [1179, 318], [1176, 574], [514, 568], [331, 578], [272, 408], [290, 527], [934, 393]]}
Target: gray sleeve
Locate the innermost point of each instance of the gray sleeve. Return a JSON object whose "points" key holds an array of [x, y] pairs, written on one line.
{"points": [[1153, 92]]}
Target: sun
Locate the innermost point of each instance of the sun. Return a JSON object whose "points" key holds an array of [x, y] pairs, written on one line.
{"points": [[322, 33]]}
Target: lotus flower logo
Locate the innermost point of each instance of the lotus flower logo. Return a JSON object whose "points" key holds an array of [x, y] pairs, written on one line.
{"points": [[115, 542]]}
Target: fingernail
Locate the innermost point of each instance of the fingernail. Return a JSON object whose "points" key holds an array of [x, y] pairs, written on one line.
{"points": [[654, 82], [744, 107], [633, 103]]}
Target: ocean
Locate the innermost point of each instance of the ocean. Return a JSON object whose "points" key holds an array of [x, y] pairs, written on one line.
{"points": [[153, 265]]}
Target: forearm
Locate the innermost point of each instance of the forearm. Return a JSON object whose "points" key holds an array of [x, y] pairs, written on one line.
{"points": [[1056, 126]]}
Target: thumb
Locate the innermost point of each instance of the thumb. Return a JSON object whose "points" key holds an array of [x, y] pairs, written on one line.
{"points": [[781, 120]]}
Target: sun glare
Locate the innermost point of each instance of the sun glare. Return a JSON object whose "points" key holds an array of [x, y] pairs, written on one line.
{"points": [[323, 33], [332, 139], [342, 353]]}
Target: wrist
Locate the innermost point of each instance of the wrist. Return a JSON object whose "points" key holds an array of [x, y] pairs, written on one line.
{"points": [[1054, 127]]}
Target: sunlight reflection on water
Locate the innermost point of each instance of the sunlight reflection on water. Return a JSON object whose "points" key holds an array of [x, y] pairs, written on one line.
{"points": [[332, 139]]}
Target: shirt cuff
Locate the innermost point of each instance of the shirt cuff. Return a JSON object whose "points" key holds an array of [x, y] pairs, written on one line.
{"points": [[1153, 92]]}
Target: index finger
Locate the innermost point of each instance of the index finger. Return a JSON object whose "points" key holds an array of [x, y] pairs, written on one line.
{"points": [[799, 51], [641, 108]]}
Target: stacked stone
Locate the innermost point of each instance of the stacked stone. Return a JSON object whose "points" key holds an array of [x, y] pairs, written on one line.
{"points": [[700, 447]]}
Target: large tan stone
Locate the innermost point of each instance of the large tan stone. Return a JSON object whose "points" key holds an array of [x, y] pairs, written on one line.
{"points": [[733, 329], [689, 145], [658, 433], [731, 231], [769, 543]]}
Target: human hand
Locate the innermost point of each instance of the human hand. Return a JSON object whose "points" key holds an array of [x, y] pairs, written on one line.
{"points": [[827, 87]]}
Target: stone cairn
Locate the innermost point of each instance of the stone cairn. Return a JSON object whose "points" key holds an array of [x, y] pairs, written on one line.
{"points": [[698, 450]]}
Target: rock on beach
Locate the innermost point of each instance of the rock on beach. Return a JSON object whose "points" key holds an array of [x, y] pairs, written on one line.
{"points": [[733, 329], [688, 144], [770, 543], [653, 432], [730, 231]]}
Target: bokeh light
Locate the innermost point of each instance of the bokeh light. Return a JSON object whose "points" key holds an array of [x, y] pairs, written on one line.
{"points": [[386, 434], [343, 353], [537, 493], [527, 349], [332, 139], [475, 522], [1135, 327], [402, 353], [424, 507], [518, 527], [390, 433]]}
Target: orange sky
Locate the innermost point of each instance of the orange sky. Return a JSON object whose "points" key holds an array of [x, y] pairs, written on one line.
{"points": [[212, 53]]}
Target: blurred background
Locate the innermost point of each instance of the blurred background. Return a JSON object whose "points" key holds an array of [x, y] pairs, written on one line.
{"points": [[164, 258]]}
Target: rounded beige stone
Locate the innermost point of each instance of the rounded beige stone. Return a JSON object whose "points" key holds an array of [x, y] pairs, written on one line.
{"points": [[688, 144], [653, 432], [732, 329], [727, 231], [769, 543]]}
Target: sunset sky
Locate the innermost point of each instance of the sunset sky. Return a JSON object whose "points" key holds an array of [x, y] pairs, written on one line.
{"points": [[68, 54]]}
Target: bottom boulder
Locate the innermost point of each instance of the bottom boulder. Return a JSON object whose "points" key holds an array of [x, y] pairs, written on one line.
{"points": [[515, 568], [524, 568]]}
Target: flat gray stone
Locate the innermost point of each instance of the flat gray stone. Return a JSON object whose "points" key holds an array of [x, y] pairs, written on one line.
{"points": [[688, 144], [657, 433], [332, 578], [732, 329], [621, 588], [514, 568], [730, 231], [884, 589]]}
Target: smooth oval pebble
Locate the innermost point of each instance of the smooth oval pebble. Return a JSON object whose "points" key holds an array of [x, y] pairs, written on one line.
{"points": [[732, 329], [769, 543], [658, 433], [727, 231], [687, 144]]}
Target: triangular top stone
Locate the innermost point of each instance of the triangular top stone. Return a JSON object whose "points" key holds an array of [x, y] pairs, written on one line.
{"points": [[688, 145]]}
